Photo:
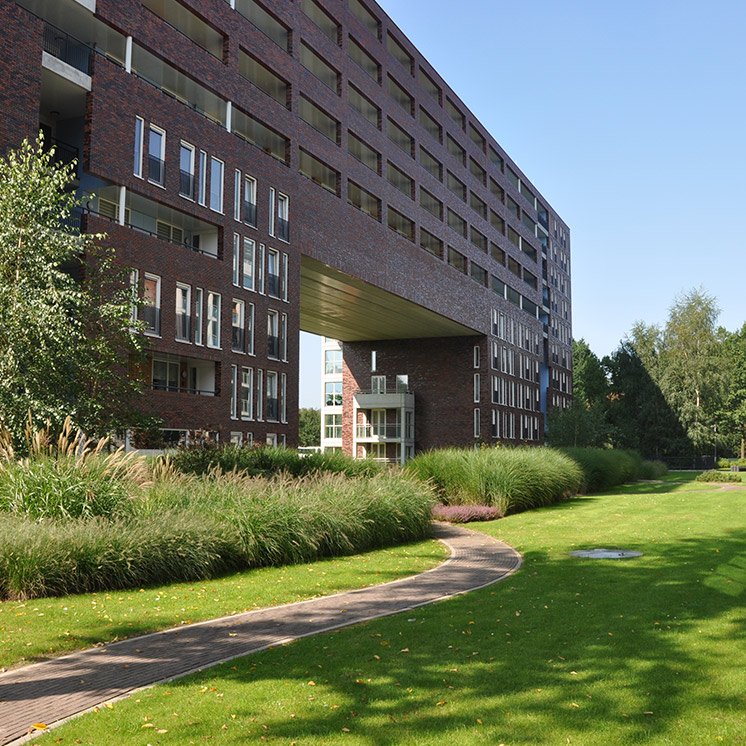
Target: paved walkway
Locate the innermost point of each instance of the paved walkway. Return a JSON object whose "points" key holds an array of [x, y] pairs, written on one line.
{"points": [[56, 689]]}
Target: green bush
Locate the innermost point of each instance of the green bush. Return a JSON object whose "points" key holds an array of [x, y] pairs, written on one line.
{"points": [[653, 470], [187, 528], [604, 468], [726, 463], [718, 476], [509, 479], [267, 460]]}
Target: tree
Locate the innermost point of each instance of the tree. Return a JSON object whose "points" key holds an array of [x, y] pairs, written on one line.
{"points": [[65, 308], [577, 425], [589, 383], [731, 418], [309, 427]]}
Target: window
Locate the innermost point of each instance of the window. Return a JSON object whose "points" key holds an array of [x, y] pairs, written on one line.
{"points": [[456, 186], [332, 426], [359, 149], [497, 190], [318, 172], [273, 335], [216, 184], [202, 193], [198, 316], [283, 217], [332, 362], [455, 113], [249, 258], [378, 384], [249, 200], [400, 137], [478, 205], [234, 391], [365, 17], [284, 280], [497, 253], [246, 393], [213, 320], [139, 129], [456, 222], [479, 239], [397, 178], [238, 326], [259, 393], [321, 19], [264, 79], [456, 150], [477, 387], [150, 312], [237, 196], [431, 125], [363, 60], [266, 23], [431, 203], [236, 270], [401, 224], [497, 222], [431, 164], [431, 243], [476, 356], [530, 279], [333, 394], [319, 67], [273, 273], [318, 119], [477, 138], [477, 171], [514, 266], [430, 86], [364, 106], [495, 157], [156, 155], [477, 423], [271, 409], [400, 95], [498, 286], [456, 259], [513, 236], [250, 329], [134, 295], [363, 200], [165, 375], [478, 273], [183, 312], [396, 49], [257, 133]]}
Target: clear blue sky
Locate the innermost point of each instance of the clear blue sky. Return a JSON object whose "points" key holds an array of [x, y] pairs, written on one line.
{"points": [[630, 118]]}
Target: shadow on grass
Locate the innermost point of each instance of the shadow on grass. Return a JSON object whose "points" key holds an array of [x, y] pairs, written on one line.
{"points": [[566, 647]]}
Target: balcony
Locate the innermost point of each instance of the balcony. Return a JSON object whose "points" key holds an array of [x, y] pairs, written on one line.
{"points": [[249, 213], [283, 229], [379, 432], [186, 184], [66, 48], [388, 398], [183, 375]]}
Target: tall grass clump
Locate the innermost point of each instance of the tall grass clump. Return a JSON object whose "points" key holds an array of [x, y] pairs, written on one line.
{"points": [[509, 479], [67, 477], [266, 461], [604, 468]]}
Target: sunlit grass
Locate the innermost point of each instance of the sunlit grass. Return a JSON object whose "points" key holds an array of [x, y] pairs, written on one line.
{"points": [[565, 651]]}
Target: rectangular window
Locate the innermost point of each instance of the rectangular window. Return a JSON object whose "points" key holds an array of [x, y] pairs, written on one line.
{"points": [[332, 426], [479, 239], [332, 362], [478, 273], [271, 212], [234, 391], [259, 393], [397, 50], [363, 200], [183, 312], [264, 79], [477, 138], [251, 130], [400, 95], [359, 149], [364, 106], [250, 329], [478, 205], [456, 150], [139, 130], [321, 19], [431, 203], [477, 387], [477, 171], [165, 375], [260, 269], [365, 17], [477, 423], [497, 253], [318, 119], [283, 401], [213, 320], [198, 316], [498, 286], [431, 164], [266, 23], [430, 125], [246, 393], [283, 217], [397, 178], [273, 335], [134, 295], [456, 222], [513, 208], [216, 184], [401, 224], [238, 326], [249, 201], [237, 195], [456, 259], [365, 61], [333, 394], [249, 258], [497, 190], [319, 67], [236, 259], [455, 113], [497, 222], [285, 264], [456, 186], [273, 273], [202, 193], [314, 169], [495, 157], [284, 337], [430, 86], [477, 354], [156, 155], [150, 312], [400, 137], [431, 243]]}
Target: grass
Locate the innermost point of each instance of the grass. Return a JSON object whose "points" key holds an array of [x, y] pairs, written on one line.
{"points": [[44, 627], [566, 651]]}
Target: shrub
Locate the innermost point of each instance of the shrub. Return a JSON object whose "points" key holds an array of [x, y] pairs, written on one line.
{"points": [[604, 468], [509, 479], [717, 476], [465, 513], [726, 463], [653, 470]]}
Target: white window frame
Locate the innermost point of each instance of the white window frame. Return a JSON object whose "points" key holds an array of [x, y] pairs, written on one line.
{"points": [[213, 161], [202, 188], [477, 387], [477, 356], [282, 394], [249, 263], [259, 266], [213, 319], [273, 256], [247, 385], [284, 279], [234, 391], [236, 260], [259, 394], [241, 306], [139, 144], [157, 278], [273, 324], [477, 423], [250, 330], [135, 294], [198, 300], [271, 229], [284, 337], [249, 195], [187, 290], [283, 211], [192, 158], [272, 378], [237, 194], [159, 130]]}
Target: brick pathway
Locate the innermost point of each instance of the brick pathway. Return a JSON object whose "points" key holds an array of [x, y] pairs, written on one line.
{"points": [[56, 689]]}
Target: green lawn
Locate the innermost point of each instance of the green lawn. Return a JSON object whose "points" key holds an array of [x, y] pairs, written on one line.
{"points": [[36, 629], [649, 650]]}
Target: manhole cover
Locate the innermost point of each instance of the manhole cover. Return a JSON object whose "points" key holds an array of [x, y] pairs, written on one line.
{"points": [[606, 553]]}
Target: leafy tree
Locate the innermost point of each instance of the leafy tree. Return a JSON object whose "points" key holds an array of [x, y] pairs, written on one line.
{"points": [[577, 425], [65, 336], [731, 418], [589, 383], [309, 427]]}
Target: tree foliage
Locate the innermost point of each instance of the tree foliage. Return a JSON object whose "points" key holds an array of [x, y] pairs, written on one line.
{"points": [[732, 414], [65, 335], [309, 427]]}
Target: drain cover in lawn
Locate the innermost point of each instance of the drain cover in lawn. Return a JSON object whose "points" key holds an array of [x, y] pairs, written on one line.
{"points": [[606, 553]]}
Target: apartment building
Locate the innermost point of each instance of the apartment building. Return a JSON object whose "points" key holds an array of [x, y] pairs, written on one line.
{"points": [[263, 168]]}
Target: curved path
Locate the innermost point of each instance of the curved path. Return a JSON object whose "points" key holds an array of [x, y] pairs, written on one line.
{"points": [[62, 687]]}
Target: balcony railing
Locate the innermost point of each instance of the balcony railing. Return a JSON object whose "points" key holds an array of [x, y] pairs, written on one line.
{"points": [[283, 229], [156, 170], [238, 337], [249, 213], [186, 184], [172, 388], [183, 327], [399, 388], [382, 432], [151, 317], [64, 154], [68, 49]]}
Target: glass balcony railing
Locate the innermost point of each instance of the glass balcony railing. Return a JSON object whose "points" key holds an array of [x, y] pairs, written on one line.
{"points": [[382, 432], [186, 184], [66, 48], [156, 170]]}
